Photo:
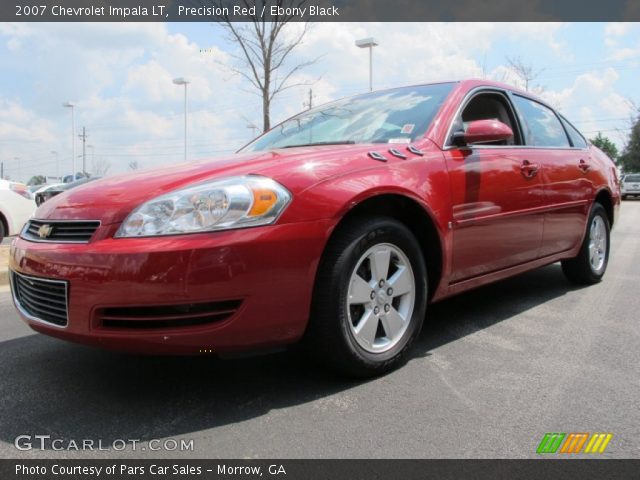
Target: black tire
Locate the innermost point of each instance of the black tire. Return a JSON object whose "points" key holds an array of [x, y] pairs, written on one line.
{"points": [[2, 232], [580, 269], [624, 197], [329, 336]]}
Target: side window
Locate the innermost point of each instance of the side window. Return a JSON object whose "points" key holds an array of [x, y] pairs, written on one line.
{"points": [[489, 106], [542, 127], [577, 140]]}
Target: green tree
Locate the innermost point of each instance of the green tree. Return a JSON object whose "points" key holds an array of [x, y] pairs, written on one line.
{"points": [[630, 158], [37, 180], [606, 145]]}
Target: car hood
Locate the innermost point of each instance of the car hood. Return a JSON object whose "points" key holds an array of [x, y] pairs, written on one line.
{"points": [[111, 199]]}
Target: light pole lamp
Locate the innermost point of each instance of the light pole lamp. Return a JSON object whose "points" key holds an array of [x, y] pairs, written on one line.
{"points": [[185, 82], [73, 139], [369, 43]]}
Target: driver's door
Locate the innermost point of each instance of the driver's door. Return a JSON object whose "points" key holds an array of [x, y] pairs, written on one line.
{"points": [[497, 199]]}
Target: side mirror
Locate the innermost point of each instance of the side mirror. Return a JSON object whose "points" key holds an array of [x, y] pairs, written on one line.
{"points": [[483, 131]]}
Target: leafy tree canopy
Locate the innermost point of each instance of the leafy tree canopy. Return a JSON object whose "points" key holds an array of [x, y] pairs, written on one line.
{"points": [[606, 145], [37, 180], [630, 158]]}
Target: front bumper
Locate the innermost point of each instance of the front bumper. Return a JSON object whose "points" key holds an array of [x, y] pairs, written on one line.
{"points": [[269, 271]]}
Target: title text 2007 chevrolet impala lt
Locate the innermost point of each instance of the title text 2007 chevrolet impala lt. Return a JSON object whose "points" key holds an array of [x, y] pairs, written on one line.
{"points": [[338, 226]]}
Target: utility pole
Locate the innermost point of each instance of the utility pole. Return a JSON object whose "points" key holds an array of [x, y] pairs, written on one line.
{"points": [[309, 104], [83, 136], [2, 170]]}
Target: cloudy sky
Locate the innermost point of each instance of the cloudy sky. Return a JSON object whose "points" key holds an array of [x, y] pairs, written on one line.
{"points": [[120, 77]]}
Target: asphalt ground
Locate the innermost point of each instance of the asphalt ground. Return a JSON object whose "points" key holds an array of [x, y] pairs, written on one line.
{"points": [[492, 372]]}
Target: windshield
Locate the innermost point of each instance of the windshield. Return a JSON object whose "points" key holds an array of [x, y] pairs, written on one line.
{"points": [[632, 178], [392, 116]]}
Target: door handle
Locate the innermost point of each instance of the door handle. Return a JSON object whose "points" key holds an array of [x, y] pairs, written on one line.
{"points": [[584, 166], [528, 169]]}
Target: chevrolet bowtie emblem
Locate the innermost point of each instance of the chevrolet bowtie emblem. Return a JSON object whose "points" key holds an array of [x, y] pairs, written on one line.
{"points": [[45, 230]]}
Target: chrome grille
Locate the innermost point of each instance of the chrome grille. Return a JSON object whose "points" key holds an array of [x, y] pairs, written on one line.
{"points": [[60, 231], [40, 299]]}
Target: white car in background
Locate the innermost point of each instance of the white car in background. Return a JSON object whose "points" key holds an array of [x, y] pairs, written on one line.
{"points": [[630, 185], [16, 207]]}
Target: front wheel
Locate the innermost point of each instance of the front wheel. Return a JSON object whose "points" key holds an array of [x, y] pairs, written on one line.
{"points": [[590, 264], [369, 298]]}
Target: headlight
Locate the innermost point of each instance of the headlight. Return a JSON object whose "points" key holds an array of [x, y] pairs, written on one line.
{"points": [[219, 205], [21, 189]]}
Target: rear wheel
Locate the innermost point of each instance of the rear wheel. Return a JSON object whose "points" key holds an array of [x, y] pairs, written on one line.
{"points": [[2, 231], [369, 299], [590, 264]]}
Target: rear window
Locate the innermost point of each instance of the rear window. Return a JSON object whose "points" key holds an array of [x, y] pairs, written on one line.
{"points": [[542, 127], [577, 140], [632, 179]]}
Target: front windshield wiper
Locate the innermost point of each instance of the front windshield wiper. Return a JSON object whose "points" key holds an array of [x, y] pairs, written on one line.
{"points": [[334, 142]]}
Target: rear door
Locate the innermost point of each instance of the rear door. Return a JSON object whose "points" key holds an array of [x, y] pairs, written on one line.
{"points": [[496, 195], [566, 173]]}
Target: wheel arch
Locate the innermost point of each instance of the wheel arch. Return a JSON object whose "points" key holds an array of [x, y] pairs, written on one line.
{"points": [[604, 198], [415, 217], [5, 223]]}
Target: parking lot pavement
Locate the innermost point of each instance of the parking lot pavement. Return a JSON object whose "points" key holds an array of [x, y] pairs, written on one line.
{"points": [[493, 371]]}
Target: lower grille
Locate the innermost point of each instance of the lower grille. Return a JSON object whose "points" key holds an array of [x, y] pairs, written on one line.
{"points": [[167, 316], [60, 231], [41, 299]]}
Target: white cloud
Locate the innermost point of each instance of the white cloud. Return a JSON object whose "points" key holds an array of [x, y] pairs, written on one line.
{"points": [[120, 76], [616, 105], [621, 54], [617, 29]]}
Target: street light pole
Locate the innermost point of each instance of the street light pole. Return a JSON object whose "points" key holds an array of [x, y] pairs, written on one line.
{"points": [[17, 159], [55, 154], [93, 161], [73, 139], [369, 43], [185, 82]]}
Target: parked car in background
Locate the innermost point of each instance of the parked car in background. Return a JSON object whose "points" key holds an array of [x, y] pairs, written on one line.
{"points": [[46, 192], [16, 207], [73, 178], [339, 225], [630, 185]]}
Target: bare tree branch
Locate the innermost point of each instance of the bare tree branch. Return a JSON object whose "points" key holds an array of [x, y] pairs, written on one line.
{"points": [[265, 49], [101, 166], [525, 72]]}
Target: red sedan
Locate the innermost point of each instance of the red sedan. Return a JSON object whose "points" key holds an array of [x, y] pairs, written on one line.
{"points": [[339, 225]]}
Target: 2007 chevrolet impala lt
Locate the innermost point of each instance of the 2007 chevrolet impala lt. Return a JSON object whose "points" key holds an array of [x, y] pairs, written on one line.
{"points": [[338, 226]]}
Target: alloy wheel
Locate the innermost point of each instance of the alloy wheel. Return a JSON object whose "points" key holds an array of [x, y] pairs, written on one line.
{"points": [[597, 243], [381, 298]]}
